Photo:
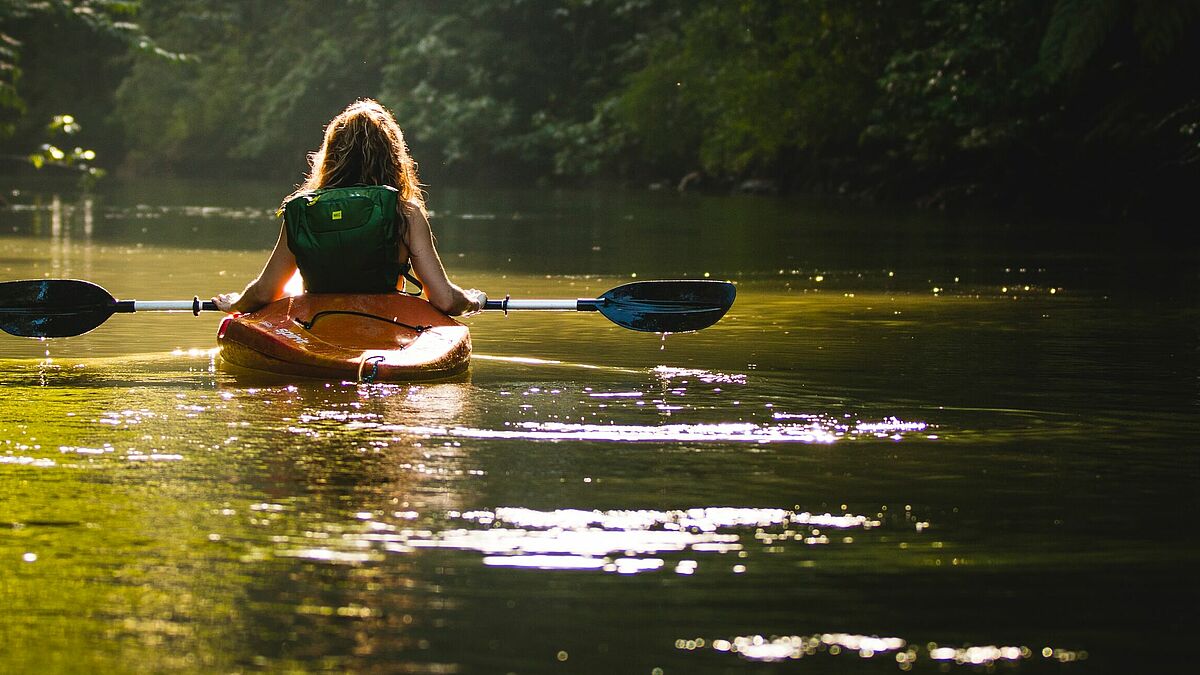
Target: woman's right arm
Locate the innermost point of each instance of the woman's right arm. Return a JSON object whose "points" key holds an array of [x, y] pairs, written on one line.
{"points": [[269, 285], [443, 293]]}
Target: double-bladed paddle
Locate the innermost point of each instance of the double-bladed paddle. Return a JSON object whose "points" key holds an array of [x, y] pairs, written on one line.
{"points": [[43, 308]]}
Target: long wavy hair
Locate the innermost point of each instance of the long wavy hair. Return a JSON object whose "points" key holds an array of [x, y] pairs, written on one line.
{"points": [[364, 146]]}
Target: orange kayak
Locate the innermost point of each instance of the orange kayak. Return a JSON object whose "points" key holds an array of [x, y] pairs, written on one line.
{"points": [[370, 338]]}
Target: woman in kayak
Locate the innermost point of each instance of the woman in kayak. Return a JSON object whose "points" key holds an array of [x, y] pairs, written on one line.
{"points": [[358, 223]]}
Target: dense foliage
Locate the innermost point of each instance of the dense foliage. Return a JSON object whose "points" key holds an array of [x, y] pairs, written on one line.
{"points": [[58, 56], [940, 101]]}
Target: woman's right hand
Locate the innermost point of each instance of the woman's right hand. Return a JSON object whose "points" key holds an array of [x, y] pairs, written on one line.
{"points": [[477, 298], [226, 301]]}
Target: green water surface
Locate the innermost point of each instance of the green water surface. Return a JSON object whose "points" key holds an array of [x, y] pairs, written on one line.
{"points": [[916, 442]]}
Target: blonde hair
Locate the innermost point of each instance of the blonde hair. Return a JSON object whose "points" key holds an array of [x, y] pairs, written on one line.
{"points": [[364, 146]]}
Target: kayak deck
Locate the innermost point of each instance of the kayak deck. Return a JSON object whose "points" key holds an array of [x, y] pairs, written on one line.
{"points": [[374, 338]]}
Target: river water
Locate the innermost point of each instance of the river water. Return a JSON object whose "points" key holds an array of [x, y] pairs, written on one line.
{"points": [[917, 442]]}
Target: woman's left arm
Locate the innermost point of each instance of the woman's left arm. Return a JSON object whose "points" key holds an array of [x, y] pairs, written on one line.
{"points": [[443, 294], [269, 285]]}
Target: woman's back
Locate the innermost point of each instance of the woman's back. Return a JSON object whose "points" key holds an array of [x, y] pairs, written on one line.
{"points": [[358, 222]]}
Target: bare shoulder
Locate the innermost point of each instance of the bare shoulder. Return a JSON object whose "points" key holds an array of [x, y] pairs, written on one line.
{"points": [[413, 208], [419, 235]]}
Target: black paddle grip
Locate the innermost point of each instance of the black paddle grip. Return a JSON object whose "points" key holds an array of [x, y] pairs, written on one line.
{"points": [[197, 306]]}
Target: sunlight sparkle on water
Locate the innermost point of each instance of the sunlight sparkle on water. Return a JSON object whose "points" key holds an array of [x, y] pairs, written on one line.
{"points": [[135, 456], [329, 555], [668, 372], [545, 562], [26, 461], [78, 450], [196, 353], [620, 541], [780, 648], [817, 429]]}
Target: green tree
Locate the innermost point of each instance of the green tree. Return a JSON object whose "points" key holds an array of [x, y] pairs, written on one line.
{"points": [[1127, 90], [930, 99], [484, 87], [40, 78], [1020, 99], [511, 84], [959, 101], [766, 87]]}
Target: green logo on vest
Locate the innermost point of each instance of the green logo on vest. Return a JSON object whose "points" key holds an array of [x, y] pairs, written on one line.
{"points": [[337, 215]]}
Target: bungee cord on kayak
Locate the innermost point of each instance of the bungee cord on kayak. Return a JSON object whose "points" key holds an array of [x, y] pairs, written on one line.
{"points": [[308, 325]]}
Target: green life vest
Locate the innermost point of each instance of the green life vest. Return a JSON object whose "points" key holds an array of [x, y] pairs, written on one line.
{"points": [[345, 239]]}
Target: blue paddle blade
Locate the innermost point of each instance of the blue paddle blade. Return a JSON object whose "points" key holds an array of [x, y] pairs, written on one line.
{"points": [[53, 307], [667, 306]]}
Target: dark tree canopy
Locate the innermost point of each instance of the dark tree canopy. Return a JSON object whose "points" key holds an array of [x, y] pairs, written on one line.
{"points": [[936, 101]]}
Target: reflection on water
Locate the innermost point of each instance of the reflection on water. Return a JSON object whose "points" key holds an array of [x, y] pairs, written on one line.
{"points": [[937, 451]]}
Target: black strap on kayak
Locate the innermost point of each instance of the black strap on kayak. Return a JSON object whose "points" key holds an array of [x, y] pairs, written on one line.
{"points": [[307, 325], [369, 377]]}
